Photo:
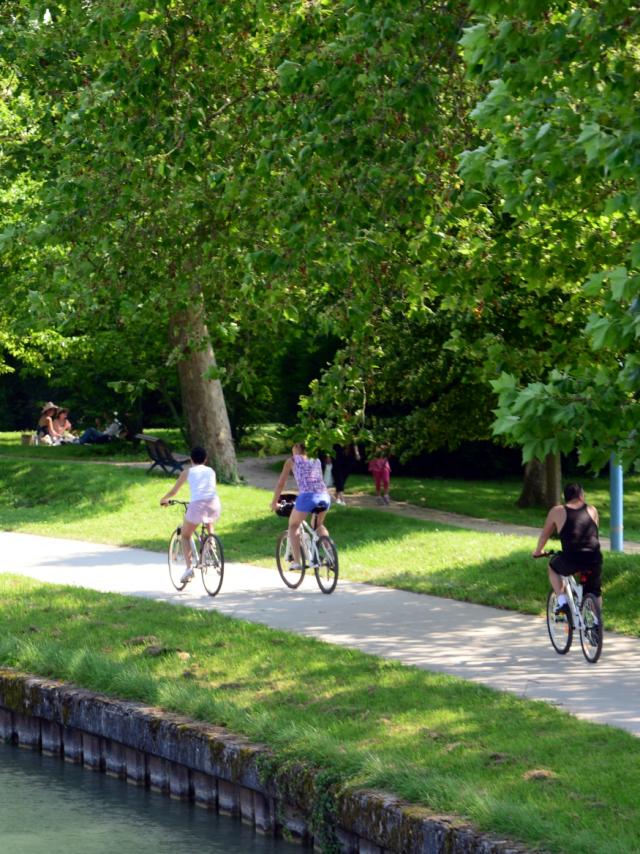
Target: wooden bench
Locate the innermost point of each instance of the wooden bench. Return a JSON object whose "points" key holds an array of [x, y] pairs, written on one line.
{"points": [[162, 455]]}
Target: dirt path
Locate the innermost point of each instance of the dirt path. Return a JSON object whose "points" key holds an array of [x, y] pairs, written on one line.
{"points": [[258, 472]]}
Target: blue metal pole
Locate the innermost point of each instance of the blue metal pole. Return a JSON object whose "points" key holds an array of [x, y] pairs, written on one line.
{"points": [[616, 492]]}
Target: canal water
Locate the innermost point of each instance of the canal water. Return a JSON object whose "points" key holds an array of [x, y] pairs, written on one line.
{"points": [[48, 806]]}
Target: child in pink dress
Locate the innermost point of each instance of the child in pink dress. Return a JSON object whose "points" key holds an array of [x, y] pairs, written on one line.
{"points": [[381, 471]]}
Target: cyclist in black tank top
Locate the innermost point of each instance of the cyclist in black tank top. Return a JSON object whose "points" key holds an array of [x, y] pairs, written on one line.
{"points": [[577, 524], [579, 536]]}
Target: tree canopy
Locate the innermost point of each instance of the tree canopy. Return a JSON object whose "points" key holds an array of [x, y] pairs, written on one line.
{"points": [[412, 199], [561, 153]]}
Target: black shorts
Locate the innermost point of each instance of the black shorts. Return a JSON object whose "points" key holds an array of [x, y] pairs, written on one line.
{"points": [[589, 576]]}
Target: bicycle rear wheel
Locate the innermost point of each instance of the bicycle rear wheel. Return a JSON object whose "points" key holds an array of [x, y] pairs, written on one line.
{"points": [[177, 560], [284, 557], [327, 568], [559, 625], [591, 635], [212, 564]]}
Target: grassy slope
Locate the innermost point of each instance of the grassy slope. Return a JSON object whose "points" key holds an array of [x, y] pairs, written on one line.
{"points": [[11, 447], [430, 738], [489, 499], [511, 766], [120, 506]]}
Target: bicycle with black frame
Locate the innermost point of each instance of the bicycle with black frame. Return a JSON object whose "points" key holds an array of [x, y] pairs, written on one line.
{"points": [[582, 613], [207, 555], [317, 552]]}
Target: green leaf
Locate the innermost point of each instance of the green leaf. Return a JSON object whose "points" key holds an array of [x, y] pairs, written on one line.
{"points": [[505, 383], [544, 130], [598, 330], [505, 425], [593, 285], [618, 279], [590, 130]]}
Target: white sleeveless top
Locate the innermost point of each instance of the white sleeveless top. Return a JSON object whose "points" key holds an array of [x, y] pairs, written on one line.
{"points": [[202, 483]]}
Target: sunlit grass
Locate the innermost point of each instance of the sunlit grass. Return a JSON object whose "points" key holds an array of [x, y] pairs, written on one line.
{"points": [[119, 451], [120, 506], [432, 739], [487, 499], [496, 499]]}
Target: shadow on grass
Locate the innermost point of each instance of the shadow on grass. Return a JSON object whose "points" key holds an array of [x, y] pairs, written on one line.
{"points": [[375, 547], [430, 738], [60, 491]]}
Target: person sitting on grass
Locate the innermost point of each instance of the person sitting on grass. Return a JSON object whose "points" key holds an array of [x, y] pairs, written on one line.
{"points": [[312, 493], [45, 431], [62, 426], [204, 505]]}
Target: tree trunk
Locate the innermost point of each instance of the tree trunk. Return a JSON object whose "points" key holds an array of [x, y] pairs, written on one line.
{"points": [[534, 488], [203, 398], [553, 467], [542, 483]]}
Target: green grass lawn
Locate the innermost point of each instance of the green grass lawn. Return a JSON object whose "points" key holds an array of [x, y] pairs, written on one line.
{"points": [[120, 506], [511, 766], [119, 451], [488, 499], [496, 499], [431, 739]]}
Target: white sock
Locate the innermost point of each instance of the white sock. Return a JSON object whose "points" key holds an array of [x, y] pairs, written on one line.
{"points": [[562, 599]]}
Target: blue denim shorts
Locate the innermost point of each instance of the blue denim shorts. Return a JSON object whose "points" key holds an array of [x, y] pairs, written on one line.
{"points": [[306, 502]]}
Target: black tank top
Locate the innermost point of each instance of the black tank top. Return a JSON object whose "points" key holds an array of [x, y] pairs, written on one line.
{"points": [[579, 535]]}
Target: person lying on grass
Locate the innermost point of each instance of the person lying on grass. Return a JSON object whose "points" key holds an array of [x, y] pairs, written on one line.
{"points": [[204, 505]]}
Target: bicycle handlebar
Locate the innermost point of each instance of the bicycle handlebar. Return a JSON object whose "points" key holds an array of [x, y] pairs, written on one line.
{"points": [[548, 553], [173, 501]]}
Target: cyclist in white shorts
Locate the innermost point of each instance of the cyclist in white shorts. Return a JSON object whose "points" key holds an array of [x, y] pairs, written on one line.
{"points": [[204, 505]]}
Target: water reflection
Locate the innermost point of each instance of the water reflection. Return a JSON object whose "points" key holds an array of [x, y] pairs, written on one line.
{"points": [[50, 807]]}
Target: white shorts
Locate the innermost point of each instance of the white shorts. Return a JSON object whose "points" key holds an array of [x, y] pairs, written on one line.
{"points": [[206, 510]]}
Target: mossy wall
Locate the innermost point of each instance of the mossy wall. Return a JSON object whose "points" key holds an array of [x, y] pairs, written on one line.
{"points": [[191, 760]]}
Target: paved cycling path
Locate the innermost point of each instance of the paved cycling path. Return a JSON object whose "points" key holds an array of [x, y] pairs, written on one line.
{"points": [[502, 649]]}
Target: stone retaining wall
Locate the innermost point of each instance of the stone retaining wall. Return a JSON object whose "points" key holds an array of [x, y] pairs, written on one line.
{"points": [[190, 760]]}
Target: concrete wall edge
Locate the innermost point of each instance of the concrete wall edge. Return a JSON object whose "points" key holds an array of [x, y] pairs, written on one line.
{"points": [[189, 759]]}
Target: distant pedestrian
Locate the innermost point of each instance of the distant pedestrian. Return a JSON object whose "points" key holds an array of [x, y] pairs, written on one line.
{"points": [[344, 457], [327, 470], [381, 470]]}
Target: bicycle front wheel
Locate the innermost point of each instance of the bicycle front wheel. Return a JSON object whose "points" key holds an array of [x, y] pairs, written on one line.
{"points": [[326, 569], [591, 634], [177, 560], [212, 564], [559, 625], [284, 557]]}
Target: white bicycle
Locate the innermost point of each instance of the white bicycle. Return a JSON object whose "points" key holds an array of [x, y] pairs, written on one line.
{"points": [[207, 555], [316, 552], [584, 615]]}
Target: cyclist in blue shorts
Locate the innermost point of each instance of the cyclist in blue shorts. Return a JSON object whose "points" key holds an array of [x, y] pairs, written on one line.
{"points": [[312, 493]]}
